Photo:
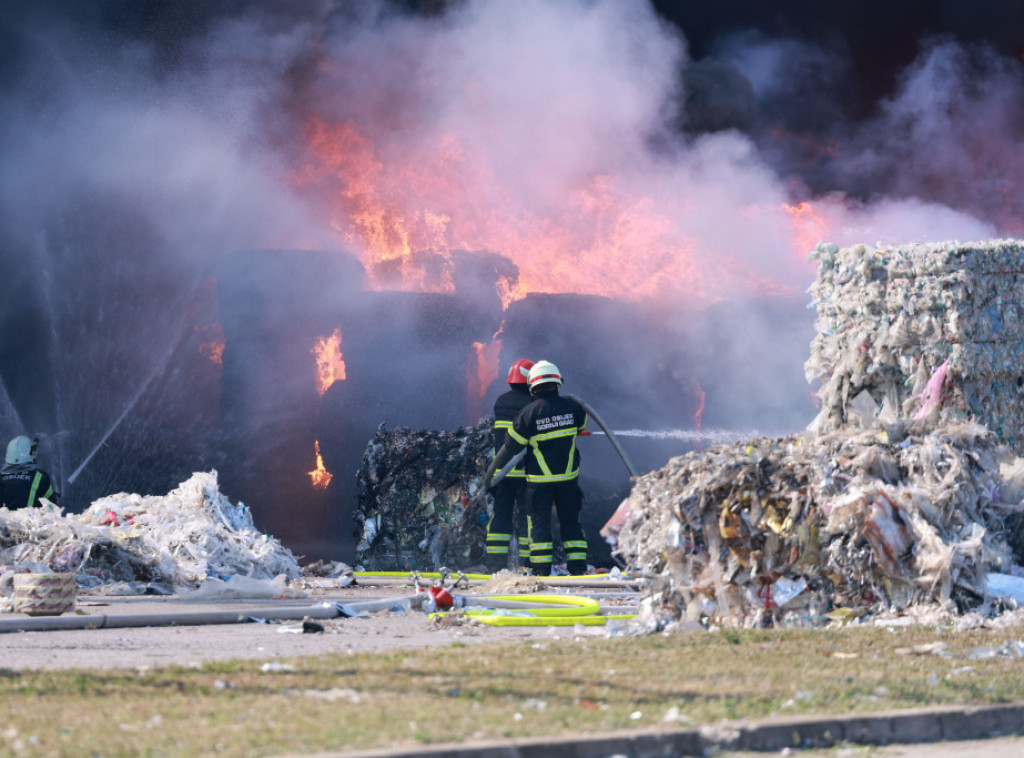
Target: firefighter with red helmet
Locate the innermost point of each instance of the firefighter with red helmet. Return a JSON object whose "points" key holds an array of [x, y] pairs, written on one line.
{"points": [[510, 493], [547, 428]]}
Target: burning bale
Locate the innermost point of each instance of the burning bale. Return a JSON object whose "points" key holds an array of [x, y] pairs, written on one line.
{"points": [[417, 506], [855, 521], [178, 540], [908, 331]]}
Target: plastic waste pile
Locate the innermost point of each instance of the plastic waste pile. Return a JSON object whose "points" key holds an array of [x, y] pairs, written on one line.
{"points": [[178, 540], [417, 503], [904, 332], [845, 524], [904, 492]]}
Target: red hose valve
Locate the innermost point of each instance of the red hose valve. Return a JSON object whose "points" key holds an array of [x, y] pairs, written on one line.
{"points": [[442, 598]]}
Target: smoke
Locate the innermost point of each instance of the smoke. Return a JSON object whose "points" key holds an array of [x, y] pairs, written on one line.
{"points": [[577, 138]]}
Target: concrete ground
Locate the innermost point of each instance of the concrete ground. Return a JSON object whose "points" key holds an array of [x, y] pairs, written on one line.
{"points": [[186, 643]]}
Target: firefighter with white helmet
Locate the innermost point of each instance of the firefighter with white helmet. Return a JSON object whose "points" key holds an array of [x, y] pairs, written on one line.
{"points": [[22, 483], [548, 428], [510, 507]]}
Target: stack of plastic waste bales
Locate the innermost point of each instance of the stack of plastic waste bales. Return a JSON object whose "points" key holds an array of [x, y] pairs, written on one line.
{"points": [[850, 523], [419, 504], [908, 331], [155, 542], [904, 494]]}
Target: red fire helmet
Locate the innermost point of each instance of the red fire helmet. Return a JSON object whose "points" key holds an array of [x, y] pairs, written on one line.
{"points": [[520, 371]]}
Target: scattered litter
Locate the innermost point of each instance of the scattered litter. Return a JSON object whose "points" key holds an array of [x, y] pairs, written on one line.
{"points": [[928, 648], [1013, 649], [417, 504], [274, 667], [334, 694]]}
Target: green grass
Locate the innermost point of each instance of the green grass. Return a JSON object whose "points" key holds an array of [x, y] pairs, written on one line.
{"points": [[460, 692]]}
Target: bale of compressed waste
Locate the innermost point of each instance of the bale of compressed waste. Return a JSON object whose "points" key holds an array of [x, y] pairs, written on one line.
{"points": [[419, 503], [852, 522], [924, 329]]}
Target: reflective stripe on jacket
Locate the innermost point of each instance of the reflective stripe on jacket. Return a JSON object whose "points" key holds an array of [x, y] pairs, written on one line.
{"points": [[549, 426], [506, 408]]}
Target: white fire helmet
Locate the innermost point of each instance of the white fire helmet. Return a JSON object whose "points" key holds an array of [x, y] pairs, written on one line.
{"points": [[544, 372], [21, 450]]}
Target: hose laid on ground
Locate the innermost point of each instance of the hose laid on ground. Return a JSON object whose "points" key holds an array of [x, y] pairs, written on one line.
{"points": [[547, 610], [386, 578]]}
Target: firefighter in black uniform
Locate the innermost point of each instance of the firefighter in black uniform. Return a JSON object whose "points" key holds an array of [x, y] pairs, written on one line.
{"points": [[548, 427], [21, 482], [510, 493]]}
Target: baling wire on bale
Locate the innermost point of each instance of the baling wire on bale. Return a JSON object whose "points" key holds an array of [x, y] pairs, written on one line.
{"points": [[901, 496]]}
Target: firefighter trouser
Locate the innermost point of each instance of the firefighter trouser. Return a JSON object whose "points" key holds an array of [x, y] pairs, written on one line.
{"points": [[567, 498], [509, 511]]}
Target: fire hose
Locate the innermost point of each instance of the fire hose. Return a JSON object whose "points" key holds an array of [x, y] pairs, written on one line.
{"points": [[436, 601], [492, 477], [608, 432]]}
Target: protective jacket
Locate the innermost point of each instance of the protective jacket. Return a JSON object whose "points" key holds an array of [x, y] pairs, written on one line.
{"points": [[549, 426], [510, 493], [21, 486], [506, 408]]}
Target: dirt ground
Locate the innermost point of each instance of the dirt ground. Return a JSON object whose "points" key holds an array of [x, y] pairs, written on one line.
{"points": [[188, 644]]}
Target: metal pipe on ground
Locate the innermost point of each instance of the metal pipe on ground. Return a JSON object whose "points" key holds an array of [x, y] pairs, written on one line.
{"points": [[202, 618]]}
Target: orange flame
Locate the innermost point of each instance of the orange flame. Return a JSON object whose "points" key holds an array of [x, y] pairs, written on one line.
{"points": [[320, 476], [213, 348], [330, 367], [809, 228], [485, 367], [400, 208], [701, 401]]}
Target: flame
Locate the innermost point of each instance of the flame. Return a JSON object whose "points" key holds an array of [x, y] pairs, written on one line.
{"points": [[403, 211], [484, 368], [701, 401], [330, 367], [213, 348], [809, 228], [320, 476]]}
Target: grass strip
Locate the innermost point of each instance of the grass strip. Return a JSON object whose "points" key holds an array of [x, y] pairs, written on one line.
{"points": [[464, 692]]}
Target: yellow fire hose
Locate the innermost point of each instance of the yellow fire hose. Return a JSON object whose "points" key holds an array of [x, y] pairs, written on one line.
{"points": [[544, 610]]}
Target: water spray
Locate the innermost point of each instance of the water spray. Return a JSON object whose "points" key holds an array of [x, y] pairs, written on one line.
{"points": [[117, 423], [137, 396]]}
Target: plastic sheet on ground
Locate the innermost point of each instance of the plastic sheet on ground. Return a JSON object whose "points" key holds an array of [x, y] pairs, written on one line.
{"points": [[181, 539], [864, 521], [417, 504]]}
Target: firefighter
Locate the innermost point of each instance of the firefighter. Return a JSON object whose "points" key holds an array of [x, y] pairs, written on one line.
{"points": [[22, 483], [547, 428], [510, 493]]}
